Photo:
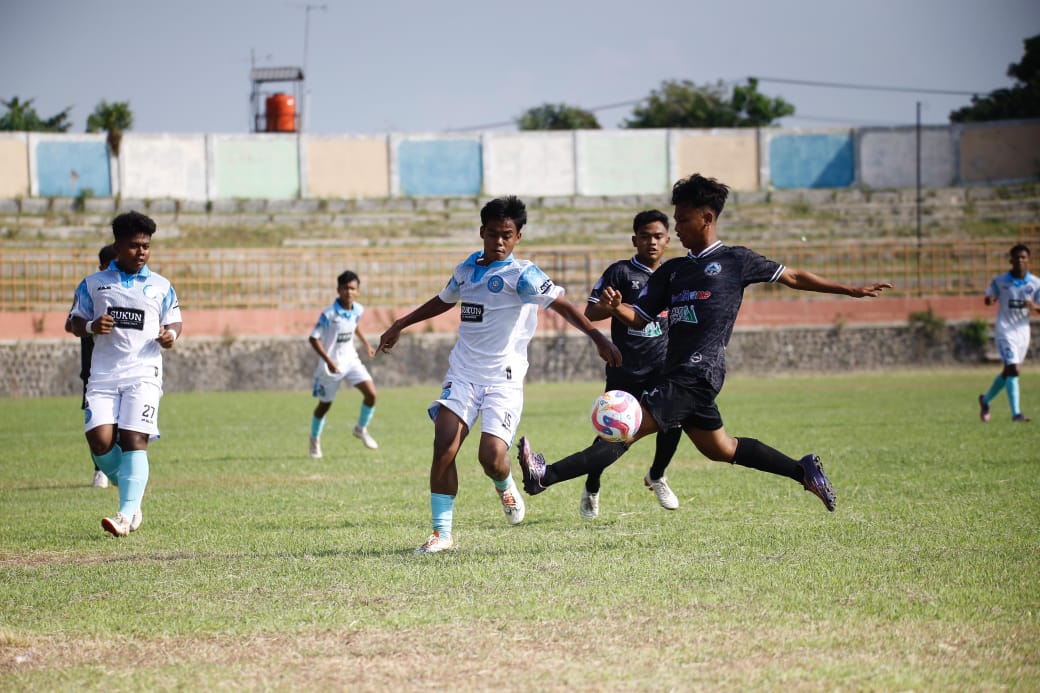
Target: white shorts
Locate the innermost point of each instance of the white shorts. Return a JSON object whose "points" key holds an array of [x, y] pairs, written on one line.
{"points": [[131, 407], [1013, 346], [326, 384], [499, 406]]}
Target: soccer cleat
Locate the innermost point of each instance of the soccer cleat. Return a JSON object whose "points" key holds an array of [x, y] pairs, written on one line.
{"points": [[316, 448], [1020, 418], [117, 526], [100, 480], [368, 440], [512, 504], [589, 505], [136, 520], [983, 409], [437, 543], [665, 497], [816, 482], [533, 466]]}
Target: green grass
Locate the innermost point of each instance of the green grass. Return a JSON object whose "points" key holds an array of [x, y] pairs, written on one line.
{"points": [[259, 568]]}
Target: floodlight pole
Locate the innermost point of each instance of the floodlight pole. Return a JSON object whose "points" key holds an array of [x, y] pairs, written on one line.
{"points": [[918, 132]]}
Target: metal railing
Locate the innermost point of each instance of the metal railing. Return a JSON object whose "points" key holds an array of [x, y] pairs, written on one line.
{"points": [[305, 278]]}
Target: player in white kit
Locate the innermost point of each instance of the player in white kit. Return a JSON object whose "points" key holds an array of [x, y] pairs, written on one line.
{"points": [[1018, 293], [132, 314], [500, 296]]}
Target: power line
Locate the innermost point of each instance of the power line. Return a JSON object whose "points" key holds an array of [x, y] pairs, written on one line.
{"points": [[868, 87]]}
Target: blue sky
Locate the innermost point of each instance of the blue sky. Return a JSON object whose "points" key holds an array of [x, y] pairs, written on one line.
{"points": [[396, 66]]}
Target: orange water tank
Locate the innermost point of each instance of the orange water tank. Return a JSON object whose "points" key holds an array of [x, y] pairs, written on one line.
{"points": [[281, 113]]}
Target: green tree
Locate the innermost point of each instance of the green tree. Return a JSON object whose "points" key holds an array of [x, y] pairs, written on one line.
{"points": [[114, 118], [1020, 101], [560, 116], [22, 117], [683, 104]]}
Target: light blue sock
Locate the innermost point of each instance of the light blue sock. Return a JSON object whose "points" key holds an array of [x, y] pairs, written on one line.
{"points": [[133, 476], [994, 389], [441, 506], [366, 415], [109, 463], [1012, 390], [502, 485], [316, 426]]}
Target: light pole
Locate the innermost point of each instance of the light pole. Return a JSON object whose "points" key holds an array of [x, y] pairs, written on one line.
{"points": [[304, 107]]}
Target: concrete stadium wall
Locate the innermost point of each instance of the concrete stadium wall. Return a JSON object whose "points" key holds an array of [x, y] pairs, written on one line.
{"points": [[583, 162], [530, 164], [51, 367], [730, 154], [164, 166], [622, 162], [811, 160], [887, 157], [1008, 150], [69, 165], [342, 167], [441, 165], [254, 166], [14, 164]]}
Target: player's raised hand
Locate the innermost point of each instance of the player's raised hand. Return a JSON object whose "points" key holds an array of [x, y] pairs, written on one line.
{"points": [[611, 297]]}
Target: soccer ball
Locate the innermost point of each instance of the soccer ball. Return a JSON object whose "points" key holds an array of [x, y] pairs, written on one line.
{"points": [[616, 416]]}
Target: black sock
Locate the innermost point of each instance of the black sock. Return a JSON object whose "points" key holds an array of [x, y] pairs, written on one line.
{"points": [[758, 455], [592, 480], [594, 458], [667, 442]]}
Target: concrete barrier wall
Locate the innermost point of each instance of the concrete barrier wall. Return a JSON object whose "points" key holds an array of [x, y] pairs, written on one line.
{"points": [[583, 162], [887, 158], [164, 166], [991, 152]]}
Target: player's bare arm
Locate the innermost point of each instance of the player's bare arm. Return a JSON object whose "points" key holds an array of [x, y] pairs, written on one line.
{"points": [[431, 309], [84, 328], [364, 342], [607, 351], [596, 311], [168, 334], [803, 280], [320, 349], [611, 298]]}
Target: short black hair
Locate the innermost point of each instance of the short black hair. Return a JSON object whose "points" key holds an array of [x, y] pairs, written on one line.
{"points": [[697, 191], [1019, 248], [106, 255], [502, 208], [649, 216], [132, 223], [347, 277]]}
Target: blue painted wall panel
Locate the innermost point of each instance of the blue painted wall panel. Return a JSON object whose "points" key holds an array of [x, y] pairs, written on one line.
{"points": [[65, 169], [812, 161], [440, 167]]}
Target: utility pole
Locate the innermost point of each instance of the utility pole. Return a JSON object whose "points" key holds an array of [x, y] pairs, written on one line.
{"points": [[305, 106]]}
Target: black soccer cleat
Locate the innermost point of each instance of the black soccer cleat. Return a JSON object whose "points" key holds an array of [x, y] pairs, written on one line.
{"points": [[816, 482], [532, 465]]}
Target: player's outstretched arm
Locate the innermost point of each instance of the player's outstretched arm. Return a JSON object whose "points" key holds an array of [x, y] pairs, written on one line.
{"points": [[607, 351], [431, 309], [803, 280], [611, 299]]}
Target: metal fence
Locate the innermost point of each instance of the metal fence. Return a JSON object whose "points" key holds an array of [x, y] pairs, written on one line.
{"points": [[304, 278]]}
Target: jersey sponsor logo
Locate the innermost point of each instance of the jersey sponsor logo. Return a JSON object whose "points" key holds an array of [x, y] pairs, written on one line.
{"points": [[344, 337], [495, 284], [472, 312], [127, 318], [652, 329], [1018, 303], [712, 269], [546, 285], [682, 314], [687, 296]]}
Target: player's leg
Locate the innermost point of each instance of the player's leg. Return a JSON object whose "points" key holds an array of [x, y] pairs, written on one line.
{"points": [[655, 480], [100, 415], [367, 388], [500, 412], [449, 433], [100, 480], [325, 389], [138, 419], [1013, 348]]}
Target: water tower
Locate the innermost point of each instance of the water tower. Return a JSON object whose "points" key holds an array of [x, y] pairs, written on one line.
{"points": [[279, 110]]}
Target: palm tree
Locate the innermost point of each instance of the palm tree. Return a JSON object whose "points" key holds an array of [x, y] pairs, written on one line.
{"points": [[114, 118]]}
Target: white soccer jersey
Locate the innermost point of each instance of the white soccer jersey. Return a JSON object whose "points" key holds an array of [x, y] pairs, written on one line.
{"points": [[139, 303], [499, 315], [1012, 295], [335, 330]]}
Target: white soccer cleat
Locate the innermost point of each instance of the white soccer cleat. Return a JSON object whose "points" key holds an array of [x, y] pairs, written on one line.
{"points": [[665, 497], [136, 520], [100, 480], [437, 543], [368, 440], [589, 506], [316, 448], [513, 503], [117, 526]]}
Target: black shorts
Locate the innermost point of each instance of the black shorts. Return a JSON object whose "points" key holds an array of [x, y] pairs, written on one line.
{"points": [[635, 385], [685, 402]]}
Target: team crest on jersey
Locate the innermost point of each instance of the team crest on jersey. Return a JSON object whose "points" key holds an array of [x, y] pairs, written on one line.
{"points": [[149, 291], [495, 284], [712, 269]]}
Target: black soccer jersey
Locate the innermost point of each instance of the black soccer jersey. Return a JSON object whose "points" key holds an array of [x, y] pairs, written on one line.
{"points": [[702, 294], [642, 351]]}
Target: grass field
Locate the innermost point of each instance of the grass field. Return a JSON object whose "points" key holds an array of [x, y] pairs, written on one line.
{"points": [[259, 568]]}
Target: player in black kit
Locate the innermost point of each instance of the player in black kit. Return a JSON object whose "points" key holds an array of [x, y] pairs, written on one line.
{"points": [[642, 350], [702, 292]]}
